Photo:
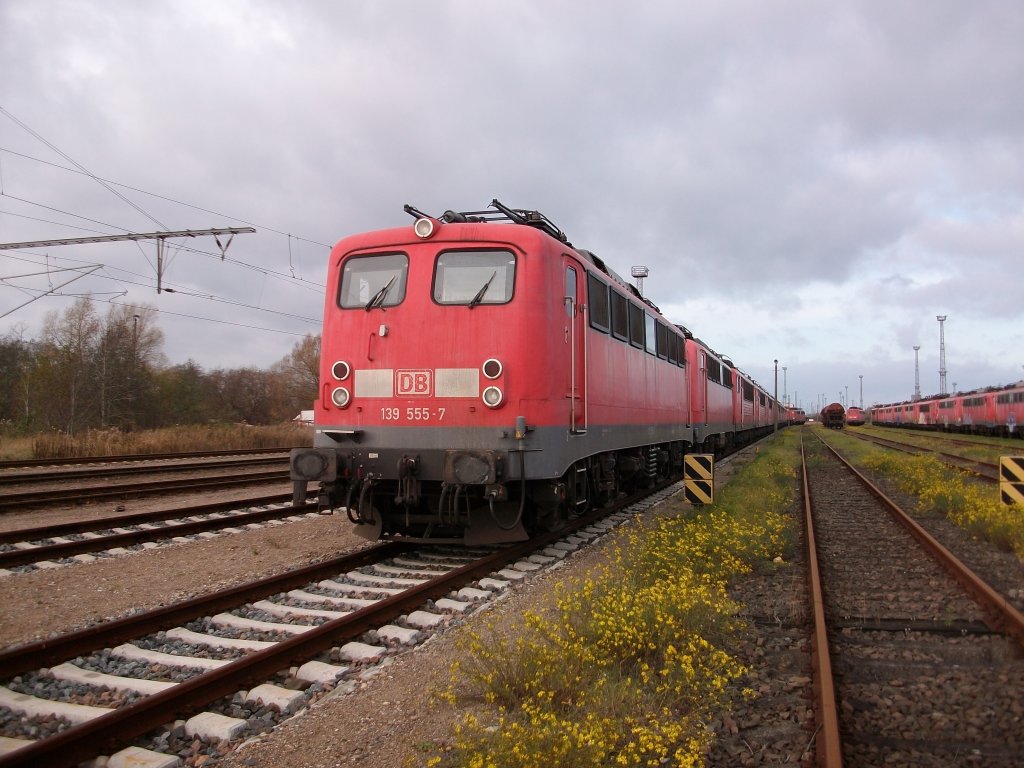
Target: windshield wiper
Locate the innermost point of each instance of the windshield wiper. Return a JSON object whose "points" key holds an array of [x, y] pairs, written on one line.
{"points": [[480, 294], [379, 296]]}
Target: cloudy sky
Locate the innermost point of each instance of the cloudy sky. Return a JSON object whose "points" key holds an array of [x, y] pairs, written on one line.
{"points": [[809, 182]]}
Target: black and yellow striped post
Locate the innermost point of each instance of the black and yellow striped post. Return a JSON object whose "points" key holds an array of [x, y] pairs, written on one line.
{"points": [[699, 478], [1011, 479]]}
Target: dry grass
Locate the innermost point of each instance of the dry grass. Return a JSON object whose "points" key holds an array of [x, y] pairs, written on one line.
{"points": [[113, 442]]}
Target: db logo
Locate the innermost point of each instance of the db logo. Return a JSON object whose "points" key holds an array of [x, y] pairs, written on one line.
{"points": [[413, 383]]}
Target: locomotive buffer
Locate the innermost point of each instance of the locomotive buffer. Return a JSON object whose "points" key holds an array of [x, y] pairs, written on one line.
{"points": [[699, 478]]}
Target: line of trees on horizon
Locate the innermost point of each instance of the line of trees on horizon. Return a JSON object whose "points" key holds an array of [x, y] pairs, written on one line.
{"points": [[93, 371]]}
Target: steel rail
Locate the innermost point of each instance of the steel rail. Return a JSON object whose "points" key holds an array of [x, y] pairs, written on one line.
{"points": [[57, 462], [1004, 617], [957, 462], [16, 557], [44, 653], [22, 478], [34, 498], [946, 437], [41, 532], [827, 743]]}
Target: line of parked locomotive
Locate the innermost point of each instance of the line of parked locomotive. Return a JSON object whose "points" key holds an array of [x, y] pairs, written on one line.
{"points": [[989, 411], [481, 379]]}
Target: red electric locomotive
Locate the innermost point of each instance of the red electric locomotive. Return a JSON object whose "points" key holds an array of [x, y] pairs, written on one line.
{"points": [[481, 378], [989, 411], [855, 416]]}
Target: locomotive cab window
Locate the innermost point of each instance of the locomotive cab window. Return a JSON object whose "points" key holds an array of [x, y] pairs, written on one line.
{"points": [[373, 281], [471, 278]]}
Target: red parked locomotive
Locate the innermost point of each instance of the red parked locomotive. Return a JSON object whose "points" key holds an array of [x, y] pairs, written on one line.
{"points": [[990, 411], [481, 378], [855, 417]]}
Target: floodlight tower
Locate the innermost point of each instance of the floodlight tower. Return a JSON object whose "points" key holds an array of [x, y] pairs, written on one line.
{"points": [[917, 373], [942, 354], [785, 396], [861, 376], [639, 273]]}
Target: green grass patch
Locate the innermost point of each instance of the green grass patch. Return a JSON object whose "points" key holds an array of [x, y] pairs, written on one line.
{"points": [[944, 490]]}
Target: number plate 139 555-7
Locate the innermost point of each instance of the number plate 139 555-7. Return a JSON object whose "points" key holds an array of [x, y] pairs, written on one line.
{"points": [[411, 413]]}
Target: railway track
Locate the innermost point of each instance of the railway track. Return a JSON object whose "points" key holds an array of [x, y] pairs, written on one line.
{"points": [[47, 544], [984, 470], [917, 659], [979, 441], [299, 616], [49, 475], [10, 501], [133, 457]]}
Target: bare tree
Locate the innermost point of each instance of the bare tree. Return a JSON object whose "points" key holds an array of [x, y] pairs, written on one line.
{"points": [[64, 371], [128, 354], [298, 375]]}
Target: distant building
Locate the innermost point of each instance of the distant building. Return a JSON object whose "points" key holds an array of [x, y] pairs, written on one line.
{"points": [[304, 417]]}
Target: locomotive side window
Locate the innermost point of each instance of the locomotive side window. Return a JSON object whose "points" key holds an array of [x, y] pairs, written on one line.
{"points": [[597, 297], [636, 326], [373, 281], [570, 291], [748, 390], [620, 318], [714, 370], [663, 348], [474, 277], [652, 334]]}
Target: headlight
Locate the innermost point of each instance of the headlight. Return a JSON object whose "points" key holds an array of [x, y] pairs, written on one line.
{"points": [[340, 397], [341, 370], [491, 368], [492, 397], [423, 228]]}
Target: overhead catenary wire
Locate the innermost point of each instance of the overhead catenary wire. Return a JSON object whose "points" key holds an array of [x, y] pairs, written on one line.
{"points": [[102, 269], [310, 284], [103, 183], [262, 227], [175, 288], [109, 185]]}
